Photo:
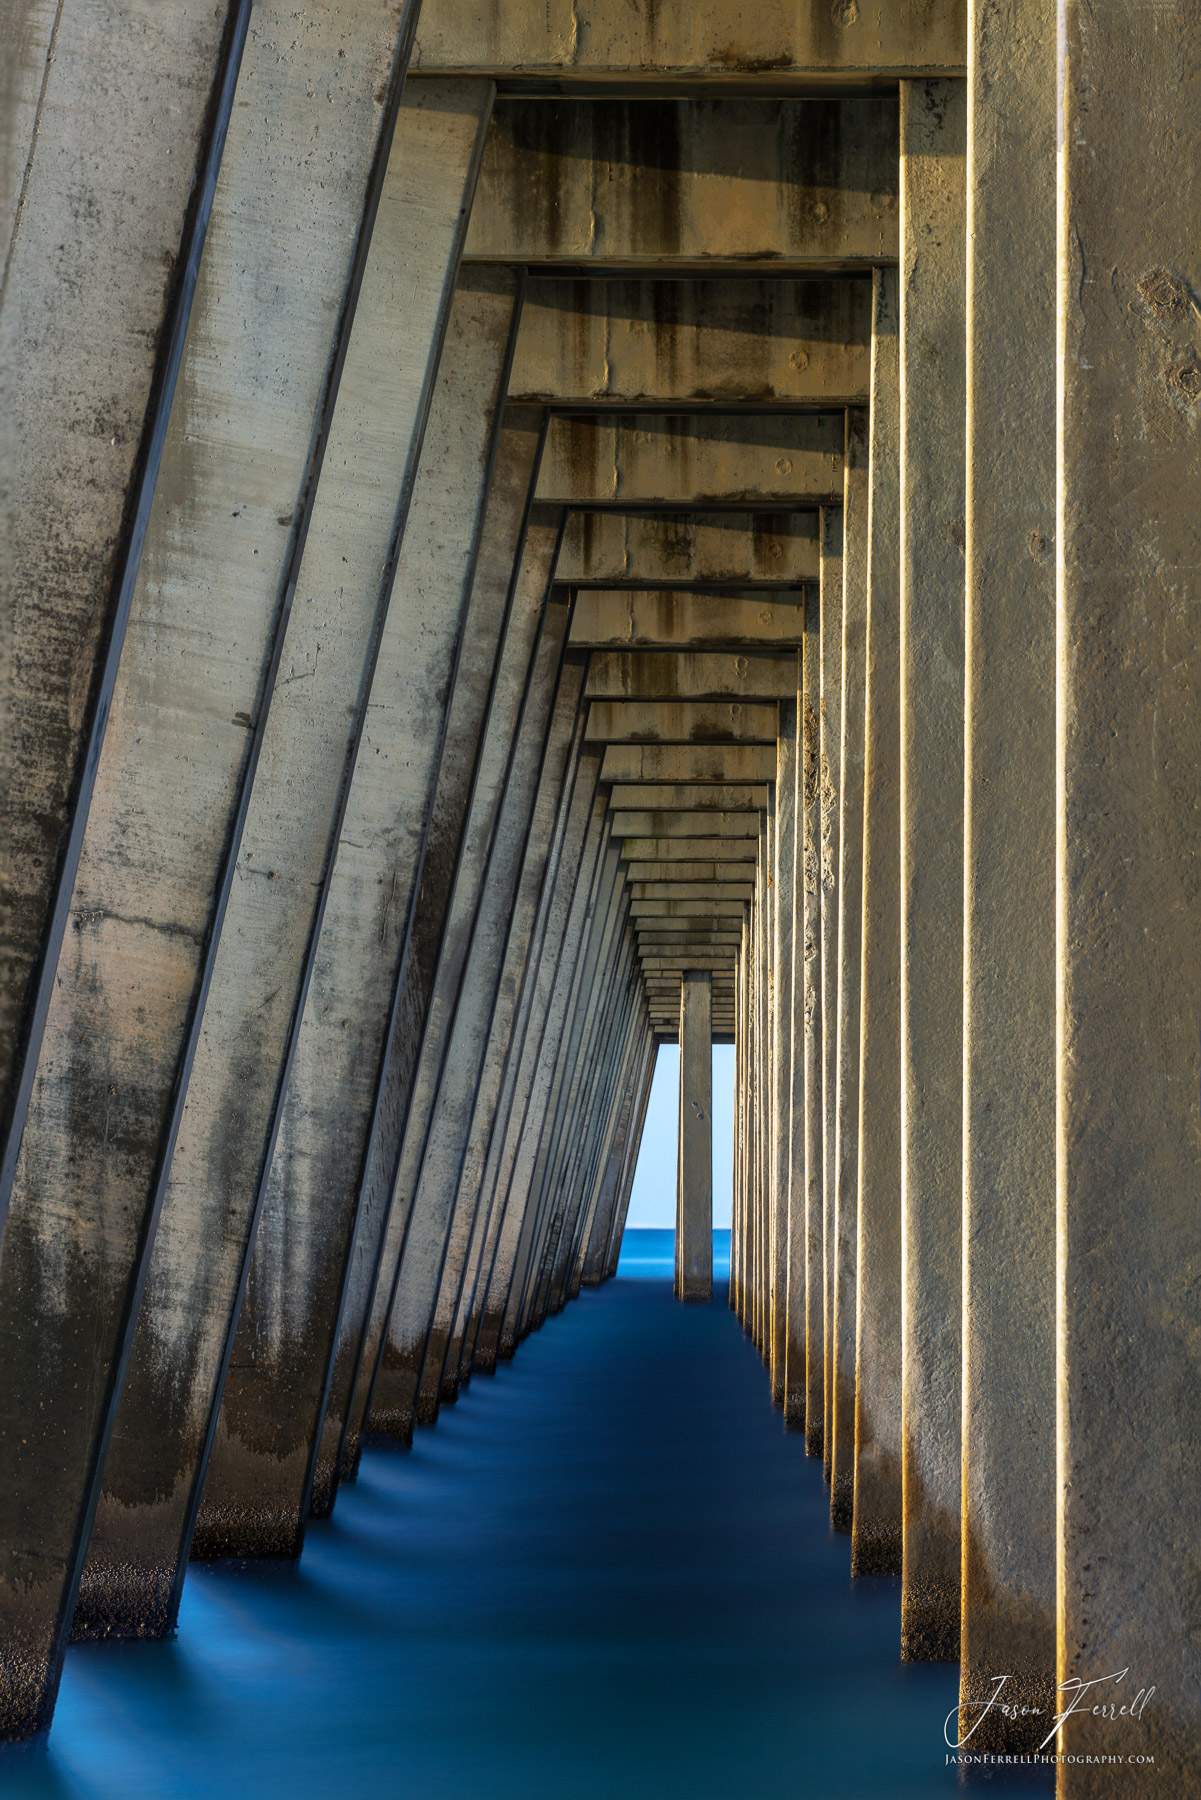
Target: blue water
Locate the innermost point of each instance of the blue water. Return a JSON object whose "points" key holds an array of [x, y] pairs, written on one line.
{"points": [[607, 1574]]}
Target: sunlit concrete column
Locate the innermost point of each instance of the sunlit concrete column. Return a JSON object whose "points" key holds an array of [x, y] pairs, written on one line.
{"points": [[807, 1009], [786, 1048], [1008, 1623], [876, 1531], [694, 1279], [850, 944], [633, 1146], [932, 291], [830, 776], [1128, 930]]}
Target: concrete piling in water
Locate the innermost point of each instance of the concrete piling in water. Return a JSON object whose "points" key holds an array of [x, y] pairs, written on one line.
{"points": [[694, 1191]]}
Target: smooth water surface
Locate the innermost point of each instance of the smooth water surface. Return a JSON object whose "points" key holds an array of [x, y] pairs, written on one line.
{"points": [[607, 1574]]}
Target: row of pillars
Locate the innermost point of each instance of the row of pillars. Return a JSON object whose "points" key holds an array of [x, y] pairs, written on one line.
{"points": [[966, 1233]]}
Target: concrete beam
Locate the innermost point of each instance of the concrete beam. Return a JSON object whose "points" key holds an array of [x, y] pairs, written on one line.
{"points": [[778, 184], [669, 828], [655, 764], [711, 906], [681, 722], [677, 619], [708, 889], [933, 402], [703, 802], [675, 343], [683, 674], [649, 550], [736, 848], [777, 43], [876, 1533], [719, 460], [733, 869]]}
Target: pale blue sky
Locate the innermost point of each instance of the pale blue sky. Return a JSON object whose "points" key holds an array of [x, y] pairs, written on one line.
{"points": [[653, 1201]]}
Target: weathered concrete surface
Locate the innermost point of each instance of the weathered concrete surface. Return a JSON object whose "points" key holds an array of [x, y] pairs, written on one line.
{"points": [[768, 183], [609, 1214], [381, 1224], [680, 722], [668, 619], [784, 1047], [656, 343], [653, 764], [850, 944], [135, 1091], [581, 825], [111, 121], [564, 944], [1008, 1595], [876, 1532], [830, 777], [667, 828], [672, 851], [1129, 951], [517, 912], [676, 459], [933, 299], [648, 550], [327, 1116], [311, 734], [694, 1170], [620, 43], [685, 674], [436, 1138], [808, 1136], [699, 800]]}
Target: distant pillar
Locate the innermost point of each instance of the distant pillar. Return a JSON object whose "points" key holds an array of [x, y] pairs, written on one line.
{"points": [[694, 1178]]}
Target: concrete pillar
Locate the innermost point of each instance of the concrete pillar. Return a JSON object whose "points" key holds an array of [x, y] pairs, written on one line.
{"points": [[786, 912], [876, 1531], [810, 1124], [436, 1141], [381, 1222], [830, 776], [1128, 930], [1008, 1591], [850, 944], [548, 783], [694, 1277], [247, 937], [932, 288], [97, 297]]}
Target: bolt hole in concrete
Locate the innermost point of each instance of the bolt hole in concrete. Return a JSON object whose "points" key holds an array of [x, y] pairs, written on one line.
{"points": [[607, 1574]]}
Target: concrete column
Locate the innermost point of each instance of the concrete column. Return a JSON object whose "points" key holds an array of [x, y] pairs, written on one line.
{"points": [[1128, 929], [786, 910], [932, 288], [830, 742], [876, 1532], [548, 783], [795, 1385], [810, 1124], [850, 944], [380, 1225], [165, 915], [695, 1262], [1008, 1591], [106, 211], [436, 1141], [327, 1112], [555, 987], [633, 1146]]}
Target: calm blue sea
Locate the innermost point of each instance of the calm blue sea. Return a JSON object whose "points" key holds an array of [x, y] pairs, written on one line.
{"points": [[607, 1574]]}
